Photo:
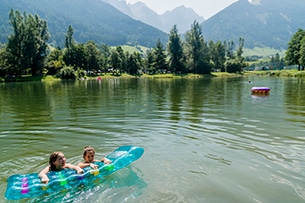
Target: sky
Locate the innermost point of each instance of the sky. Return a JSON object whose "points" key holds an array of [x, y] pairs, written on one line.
{"points": [[205, 8]]}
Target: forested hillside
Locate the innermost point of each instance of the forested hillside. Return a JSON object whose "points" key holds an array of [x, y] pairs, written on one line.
{"points": [[261, 23], [92, 20]]}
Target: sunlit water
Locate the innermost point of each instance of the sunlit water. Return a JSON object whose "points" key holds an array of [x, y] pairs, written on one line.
{"points": [[205, 140]]}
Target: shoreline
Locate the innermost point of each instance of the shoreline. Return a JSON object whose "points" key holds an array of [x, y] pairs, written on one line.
{"points": [[269, 73]]}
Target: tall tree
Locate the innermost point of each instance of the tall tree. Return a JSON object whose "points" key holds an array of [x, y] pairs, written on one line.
{"points": [[104, 60], [159, 57], [69, 41], [218, 55], [230, 46], [133, 64], [301, 60], [194, 41], [149, 62], [175, 51], [74, 54], [293, 52], [122, 59], [36, 43], [27, 45], [92, 55]]}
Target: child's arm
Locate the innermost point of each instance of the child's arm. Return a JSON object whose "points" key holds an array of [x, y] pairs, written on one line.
{"points": [[83, 165], [105, 160], [43, 175], [76, 168]]}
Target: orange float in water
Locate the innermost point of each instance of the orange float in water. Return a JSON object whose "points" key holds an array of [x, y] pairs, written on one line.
{"points": [[260, 90]]}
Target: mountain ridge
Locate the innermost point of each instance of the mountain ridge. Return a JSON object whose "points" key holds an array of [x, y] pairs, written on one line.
{"points": [[91, 20], [260, 23]]}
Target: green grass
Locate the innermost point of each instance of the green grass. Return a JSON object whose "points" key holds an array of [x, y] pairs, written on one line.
{"points": [[258, 51], [280, 73], [132, 49], [263, 51]]}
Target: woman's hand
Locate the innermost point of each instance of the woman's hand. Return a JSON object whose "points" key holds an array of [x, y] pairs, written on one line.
{"points": [[45, 180], [79, 170]]}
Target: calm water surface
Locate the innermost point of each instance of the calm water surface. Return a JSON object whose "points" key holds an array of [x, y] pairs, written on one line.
{"points": [[205, 140]]}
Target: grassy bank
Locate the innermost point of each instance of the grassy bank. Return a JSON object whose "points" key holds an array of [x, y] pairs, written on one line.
{"points": [[271, 73], [279, 73]]}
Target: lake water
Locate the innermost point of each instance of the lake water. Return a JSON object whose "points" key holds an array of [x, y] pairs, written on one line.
{"points": [[205, 140]]}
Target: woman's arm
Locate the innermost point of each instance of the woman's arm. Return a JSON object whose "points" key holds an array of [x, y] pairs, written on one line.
{"points": [[43, 175], [76, 168]]}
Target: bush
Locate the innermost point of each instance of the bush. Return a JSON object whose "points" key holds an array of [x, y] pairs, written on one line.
{"points": [[67, 73]]}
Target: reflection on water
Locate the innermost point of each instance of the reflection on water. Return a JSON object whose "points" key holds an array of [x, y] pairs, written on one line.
{"points": [[205, 140]]}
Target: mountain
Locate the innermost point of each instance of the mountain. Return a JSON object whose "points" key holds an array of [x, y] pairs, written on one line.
{"points": [[181, 16], [261, 22], [91, 20]]}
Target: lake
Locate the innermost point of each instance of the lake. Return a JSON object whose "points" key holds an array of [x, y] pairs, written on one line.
{"points": [[205, 140]]}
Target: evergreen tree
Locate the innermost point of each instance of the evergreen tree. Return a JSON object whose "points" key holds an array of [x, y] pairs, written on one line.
{"points": [[149, 63], [122, 59], [133, 65], [194, 46], [175, 51], [204, 65], [159, 57]]}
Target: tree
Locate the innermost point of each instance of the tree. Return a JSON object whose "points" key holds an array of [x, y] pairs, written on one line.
{"points": [[27, 45], [293, 52], [230, 50], [235, 62], [133, 64], [175, 51], [197, 50], [218, 55], [69, 41], [104, 59], [149, 62], [301, 60], [204, 65], [92, 55], [194, 45], [159, 57], [115, 60], [74, 54], [55, 61], [122, 59], [4, 65]]}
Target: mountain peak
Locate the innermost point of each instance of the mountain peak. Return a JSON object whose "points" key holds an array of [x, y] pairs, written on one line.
{"points": [[181, 16]]}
